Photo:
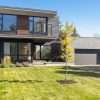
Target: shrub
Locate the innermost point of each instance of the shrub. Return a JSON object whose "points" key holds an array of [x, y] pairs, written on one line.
{"points": [[6, 62], [19, 65]]}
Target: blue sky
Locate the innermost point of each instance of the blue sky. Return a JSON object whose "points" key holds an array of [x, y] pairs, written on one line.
{"points": [[85, 14]]}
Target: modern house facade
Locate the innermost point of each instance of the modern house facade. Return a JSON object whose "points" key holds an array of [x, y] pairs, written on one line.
{"points": [[87, 51], [24, 32]]}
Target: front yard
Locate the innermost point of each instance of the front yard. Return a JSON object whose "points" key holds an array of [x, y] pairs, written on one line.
{"points": [[39, 83]]}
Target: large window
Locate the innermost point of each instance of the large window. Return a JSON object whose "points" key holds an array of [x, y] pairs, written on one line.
{"points": [[38, 24], [7, 23], [18, 51], [6, 48], [24, 51]]}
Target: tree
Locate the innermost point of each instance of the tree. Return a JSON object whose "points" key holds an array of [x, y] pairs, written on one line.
{"points": [[66, 42], [65, 38], [75, 34]]}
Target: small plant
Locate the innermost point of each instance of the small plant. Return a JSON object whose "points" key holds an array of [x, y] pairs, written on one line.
{"points": [[6, 62], [19, 65]]}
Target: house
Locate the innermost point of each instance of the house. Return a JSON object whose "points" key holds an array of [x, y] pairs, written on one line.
{"points": [[87, 51], [24, 31]]}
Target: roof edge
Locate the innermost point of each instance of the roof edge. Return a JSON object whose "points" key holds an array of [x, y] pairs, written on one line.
{"points": [[29, 9]]}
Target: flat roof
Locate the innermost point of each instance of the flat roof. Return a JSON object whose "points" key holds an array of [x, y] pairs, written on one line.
{"points": [[87, 43], [27, 11]]}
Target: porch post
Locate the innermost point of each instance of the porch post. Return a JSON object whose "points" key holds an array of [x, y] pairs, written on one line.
{"points": [[40, 51], [32, 51], [17, 51]]}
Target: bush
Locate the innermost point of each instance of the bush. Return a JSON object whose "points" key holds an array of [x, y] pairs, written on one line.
{"points": [[19, 65], [7, 60], [6, 65]]}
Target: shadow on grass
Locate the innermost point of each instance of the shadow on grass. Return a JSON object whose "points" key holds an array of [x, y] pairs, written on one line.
{"points": [[68, 67], [80, 73], [21, 81]]}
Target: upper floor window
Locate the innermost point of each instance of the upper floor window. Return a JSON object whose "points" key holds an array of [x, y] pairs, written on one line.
{"points": [[38, 24], [0, 22], [31, 24], [7, 23]]}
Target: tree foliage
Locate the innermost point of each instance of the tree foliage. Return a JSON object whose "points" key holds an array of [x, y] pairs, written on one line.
{"points": [[67, 51]]}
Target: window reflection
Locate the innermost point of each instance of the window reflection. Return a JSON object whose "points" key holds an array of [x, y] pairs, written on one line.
{"points": [[40, 24], [18, 51], [0, 22], [9, 23], [37, 24]]}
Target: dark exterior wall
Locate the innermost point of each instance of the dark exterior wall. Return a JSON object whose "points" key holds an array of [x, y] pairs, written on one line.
{"points": [[55, 52], [87, 56], [1, 51]]}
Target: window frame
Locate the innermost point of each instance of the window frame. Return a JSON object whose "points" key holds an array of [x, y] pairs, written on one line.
{"points": [[33, 28], [2, 22]]}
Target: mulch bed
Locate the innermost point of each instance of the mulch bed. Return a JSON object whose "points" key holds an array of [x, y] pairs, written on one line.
{"points": [[66, 81]]}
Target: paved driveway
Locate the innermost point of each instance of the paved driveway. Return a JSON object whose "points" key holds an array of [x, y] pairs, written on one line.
{"points": [[95, 69]]}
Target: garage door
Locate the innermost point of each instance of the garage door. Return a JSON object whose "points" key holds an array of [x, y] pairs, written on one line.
{"points": [[85, 59]]}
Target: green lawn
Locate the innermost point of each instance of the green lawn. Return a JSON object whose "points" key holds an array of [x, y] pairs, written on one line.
{"points": [[39, 83]]}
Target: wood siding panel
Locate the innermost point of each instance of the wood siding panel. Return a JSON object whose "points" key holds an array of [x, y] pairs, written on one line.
{"points": [[22, 25]]}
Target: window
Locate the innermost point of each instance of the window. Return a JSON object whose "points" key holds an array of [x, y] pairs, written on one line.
{"points": [[18, 51], [0, 22], [9, 23], [47, 53], [49, 29], [24, 49], [6, 49], [31, 24], [38, 24], [13, 51]]}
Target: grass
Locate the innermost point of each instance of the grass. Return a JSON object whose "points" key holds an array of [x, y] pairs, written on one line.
{"points": [[39, 83]]}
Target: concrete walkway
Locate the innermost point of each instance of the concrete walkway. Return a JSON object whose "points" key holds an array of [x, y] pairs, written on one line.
{"points": [[41, 63]]}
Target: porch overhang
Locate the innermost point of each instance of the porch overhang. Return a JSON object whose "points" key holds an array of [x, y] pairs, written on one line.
{"points": [[27, 38]]}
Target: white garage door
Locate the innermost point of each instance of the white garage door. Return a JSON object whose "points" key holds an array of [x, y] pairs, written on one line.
{"points": [[85, 59]]}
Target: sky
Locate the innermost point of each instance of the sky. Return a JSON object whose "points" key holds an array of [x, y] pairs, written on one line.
{"points": [[85, 14]]}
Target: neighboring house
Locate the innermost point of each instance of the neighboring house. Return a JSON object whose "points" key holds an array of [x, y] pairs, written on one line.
{"points": [[23, 32], [87, 51]]}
